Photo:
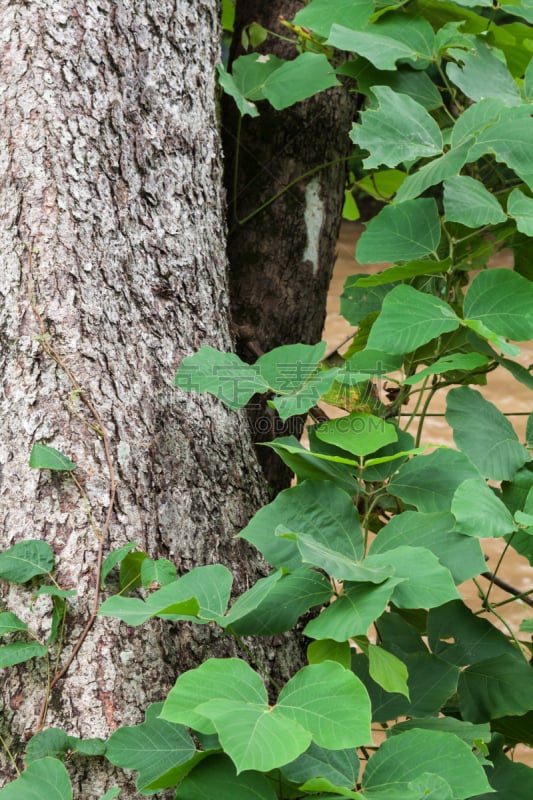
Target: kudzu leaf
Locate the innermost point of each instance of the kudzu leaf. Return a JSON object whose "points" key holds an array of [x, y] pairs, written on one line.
{"points": [[358, 433], [18, 652], [44, 457], [135, 612], [520, 207], [286, 369], [434, 172], [384, 184], [10, 623], [219, 771], [25, 560], [44, 778], [307, 75], [495, 339], [477, 63], [509, 140], [468, 202], [405, 271], [222, 374], [245, 106], [479, 512], [426, 582], [353, 612], [468, 362], [388, 41], [114, 558], [429, 482], [401, 232], [402, 759], [399, 130], [341, 767], [404, 80], [387, 670], [161, 571], [484, 434], [330, 650], [409, 319], [358, 302], [53, 591], [319, 508], [306, 396], [311, 466], [55, 742], [250, 73], [509, 778], [320, 15], [156, 749], [495, 688], [466, 731]]}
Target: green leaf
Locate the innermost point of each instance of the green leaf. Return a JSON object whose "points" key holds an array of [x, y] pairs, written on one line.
{"points": [[217, 776], [44, 778], [479, 62], [330, 650], [426, 583], [510, 142], [18, 652], [10, 623], [317, 507], [350, 210], [409, 319], [358, 433], [497, 341], [387, 670], [509, 779], [26, 559], [222, 374], [230, 87], [286, 369], [495, 688], [434, 172], [468, 201], [341, 767], [307, 75], [388, 41], [429, 482], [114, 558], [415, 84], [329, 701], [468, 362], [406, 271], [57, 743], [479, 512], [53, 591], [503, 301], [250, 73], [484, 434], [473, 638], [310, 466], [466, 731], [154, 749], [306, 396], [111, 793], [435, 532], [353, 612], [401, 232], [320, 15], [44, 457], [520, 207], [402, 759], [337, 559], [130, 570], [358, 302], [161, 571], [279, 609], [382, 185], [400, 130], [135, 612]]}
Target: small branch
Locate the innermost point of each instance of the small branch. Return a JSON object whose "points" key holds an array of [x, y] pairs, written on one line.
{"points": [[489, 576]]}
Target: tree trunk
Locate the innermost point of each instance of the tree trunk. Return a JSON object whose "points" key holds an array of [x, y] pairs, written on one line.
{"points": [[112, 228], [281, 258]]}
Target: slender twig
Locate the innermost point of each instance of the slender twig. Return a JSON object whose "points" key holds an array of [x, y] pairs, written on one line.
{"points": [[517, 595]]}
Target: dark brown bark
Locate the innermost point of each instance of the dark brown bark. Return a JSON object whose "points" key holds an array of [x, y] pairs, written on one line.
{"points": [[281, 258]]}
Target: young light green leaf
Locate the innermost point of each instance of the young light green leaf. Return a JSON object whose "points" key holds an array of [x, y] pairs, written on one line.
{"points": [[330, 650], [161, 571], [503, 301], [25, 560], [399, 130], [468, 202], [18, 652], [222, 374], [307, 75], [10, 623], [478, 62], [155, 749], [484, 434], [353, 612], [387, 670], [44, 778], [382, 185], [358, 433], [319, 508], [404, 758], [219, 771], [44, 457], [320, 15], [468, 362], [479, 512], [403, 232], [409, 319], [520, 207]]}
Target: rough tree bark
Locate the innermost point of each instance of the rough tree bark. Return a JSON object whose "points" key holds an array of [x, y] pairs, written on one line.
{"points": [[281, 258], [110, 175]]}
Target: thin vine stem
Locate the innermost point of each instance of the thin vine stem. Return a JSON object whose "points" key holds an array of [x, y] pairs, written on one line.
{"points": [[9, 754], [498, 565]]}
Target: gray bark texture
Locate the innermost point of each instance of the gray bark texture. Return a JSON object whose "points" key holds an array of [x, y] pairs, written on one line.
{"points": [[110, 176], [281, 258]]}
